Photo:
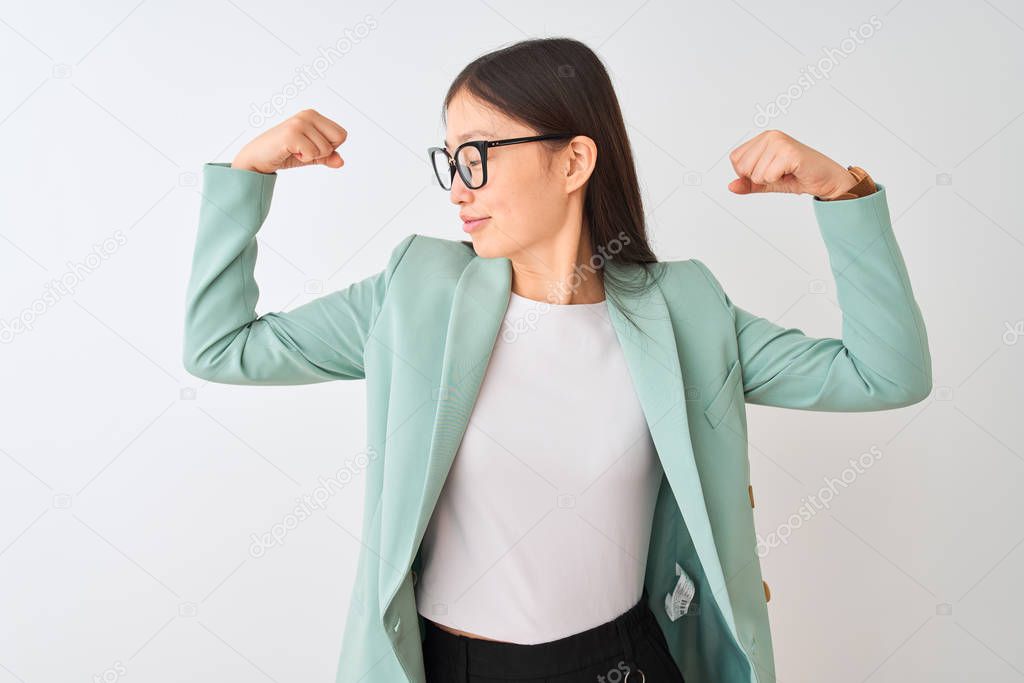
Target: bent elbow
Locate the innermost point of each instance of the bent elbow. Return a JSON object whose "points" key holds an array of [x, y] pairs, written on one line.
{"points": [[915, 393], [194, 367], [922, 387], [197, 363], [923, 392]]}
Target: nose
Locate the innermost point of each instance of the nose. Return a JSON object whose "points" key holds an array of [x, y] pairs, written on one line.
{"points": [[459, 192]]}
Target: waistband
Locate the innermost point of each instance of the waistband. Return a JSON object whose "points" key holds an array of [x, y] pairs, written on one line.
{"points": [[512, 660]]}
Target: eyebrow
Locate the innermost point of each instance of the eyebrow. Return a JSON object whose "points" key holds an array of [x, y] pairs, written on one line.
{"points": [[466, 136]]}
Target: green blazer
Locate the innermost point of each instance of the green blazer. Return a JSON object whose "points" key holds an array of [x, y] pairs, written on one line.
{"points": [[421, 331]]}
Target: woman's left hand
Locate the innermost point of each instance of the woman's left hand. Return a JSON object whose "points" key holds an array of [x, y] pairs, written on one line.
{"points": [[774, 162]]}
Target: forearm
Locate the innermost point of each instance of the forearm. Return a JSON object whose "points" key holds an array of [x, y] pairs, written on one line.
{"points": [[222, 293], [883, 327]]}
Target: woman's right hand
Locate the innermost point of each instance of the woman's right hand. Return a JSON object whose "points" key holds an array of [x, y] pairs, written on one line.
{"points": [[304, 139]]}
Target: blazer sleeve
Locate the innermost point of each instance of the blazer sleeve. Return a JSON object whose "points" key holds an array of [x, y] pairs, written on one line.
{"points": [[882, 361], [225, 341]]}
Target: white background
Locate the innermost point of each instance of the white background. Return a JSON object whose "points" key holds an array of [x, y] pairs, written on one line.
{"points": [[129, 489]]}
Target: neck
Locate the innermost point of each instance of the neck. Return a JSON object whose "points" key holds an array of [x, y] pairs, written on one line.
{"points": [[558, 271]]}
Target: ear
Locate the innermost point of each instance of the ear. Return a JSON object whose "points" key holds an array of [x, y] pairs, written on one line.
{"points": [[580, 161]]}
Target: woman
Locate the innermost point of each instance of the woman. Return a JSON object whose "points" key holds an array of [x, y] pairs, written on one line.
{"points": [[596, 523]]}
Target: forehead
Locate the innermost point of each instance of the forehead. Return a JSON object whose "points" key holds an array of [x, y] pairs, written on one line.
{"points": [[468, 118]]}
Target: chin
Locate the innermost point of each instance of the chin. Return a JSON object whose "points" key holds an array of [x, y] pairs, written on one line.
{"points": [[488, 243], [482, 248]]}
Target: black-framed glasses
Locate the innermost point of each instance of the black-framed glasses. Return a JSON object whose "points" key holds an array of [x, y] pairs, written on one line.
{"points": [[470, 159]]}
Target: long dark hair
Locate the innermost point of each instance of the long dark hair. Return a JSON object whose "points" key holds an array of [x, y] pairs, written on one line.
{"points": [[558, 85]]}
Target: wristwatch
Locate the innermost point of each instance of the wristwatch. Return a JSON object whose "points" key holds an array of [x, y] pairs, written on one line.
{"points": [[865, 186]]}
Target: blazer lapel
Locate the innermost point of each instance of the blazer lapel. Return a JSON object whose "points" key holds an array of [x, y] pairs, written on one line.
{"points": [[653, 359], [478, 307]]}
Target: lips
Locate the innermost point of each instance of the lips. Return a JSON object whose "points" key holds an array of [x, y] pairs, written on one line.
{"points": [[469, 224]]}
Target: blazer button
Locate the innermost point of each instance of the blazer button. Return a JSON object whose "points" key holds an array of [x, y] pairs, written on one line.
{"points": [[397, 622], [767, 593], [750, 493]]}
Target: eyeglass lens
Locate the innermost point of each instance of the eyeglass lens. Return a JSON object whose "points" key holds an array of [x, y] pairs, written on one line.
{"points": [[470, 166]]}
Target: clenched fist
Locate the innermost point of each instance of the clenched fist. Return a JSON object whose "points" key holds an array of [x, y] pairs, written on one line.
{"points": [[302, 140], [774, 162]]}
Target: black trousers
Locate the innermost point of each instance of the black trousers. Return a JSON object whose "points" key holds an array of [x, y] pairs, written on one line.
{"points": [[628, 649]]}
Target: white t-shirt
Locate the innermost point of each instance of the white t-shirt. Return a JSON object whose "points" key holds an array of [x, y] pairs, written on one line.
{"points": [[543, 525]]}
